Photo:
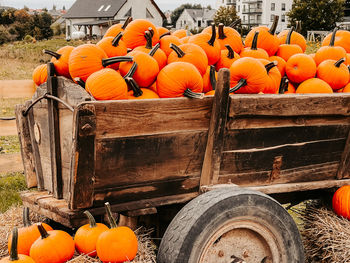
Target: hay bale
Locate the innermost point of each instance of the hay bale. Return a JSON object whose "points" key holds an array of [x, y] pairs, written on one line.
{"points": [[13, 217]]}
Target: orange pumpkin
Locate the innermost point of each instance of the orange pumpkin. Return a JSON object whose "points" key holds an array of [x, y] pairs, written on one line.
{"points": [[331, 51], [180, 33], [79, 82], [14, 257], [346, 88], [340, 202], [229, 36], [267, 38], [55, 246], [60, 60], [190, 53], [230, 27], [40, 74], [296, 38], [88, 58], [283, 85], [209, 79], [179, 79], [341, 39], [300, 67], [134, 33], [162, 31], [86, 236], [314, 85], [27, 234], [185, 40], [253, 51], [114, 30], [335, 73], [281, 64], [274, 77], [287, 50], [209, 44], [117, 244], [166, 41], [228, 56]]}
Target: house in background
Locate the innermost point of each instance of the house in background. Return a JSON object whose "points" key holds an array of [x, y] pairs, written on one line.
{"points": [[93, 17], [194, 19]]}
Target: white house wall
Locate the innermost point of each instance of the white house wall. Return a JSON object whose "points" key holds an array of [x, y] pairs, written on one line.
{"points": [[185, 21], [95, 29]]}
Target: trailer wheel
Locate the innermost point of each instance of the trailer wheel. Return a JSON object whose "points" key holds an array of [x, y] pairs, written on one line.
{"points": [[232, 225]]}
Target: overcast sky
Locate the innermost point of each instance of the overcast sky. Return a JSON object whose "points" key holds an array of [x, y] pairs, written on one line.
{"points": [[163, 4]]}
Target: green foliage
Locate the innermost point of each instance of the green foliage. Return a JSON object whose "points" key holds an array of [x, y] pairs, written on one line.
{"points": [[4, 35], [316, 14], [226, 15], [178, 11], [9, 144], [10, 186]]}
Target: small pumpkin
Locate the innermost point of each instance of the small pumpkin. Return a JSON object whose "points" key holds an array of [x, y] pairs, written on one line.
{"points": [[340, 201], [300, 67], [114, 30], [60, 60], [179, 79], [166, 41], [253, 51], [229, 36], [55, 246], [286, 87], [134, 33], [40, 74], [209, 79], [296, 38], [162, 31], [14, 256], [314, 85], [274, 77], [287, 50], [227, 57], [281, 64], [190, 53], [180, 33], [118, 244], [341, 39], [335, 73], [86, 236]]}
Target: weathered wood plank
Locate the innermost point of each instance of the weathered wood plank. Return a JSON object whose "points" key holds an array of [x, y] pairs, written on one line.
{"points": [[344, 166], [215, 142], [290, 105]]}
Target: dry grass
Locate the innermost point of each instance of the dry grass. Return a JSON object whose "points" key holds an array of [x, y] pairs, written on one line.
{"points": [[7, 106]]}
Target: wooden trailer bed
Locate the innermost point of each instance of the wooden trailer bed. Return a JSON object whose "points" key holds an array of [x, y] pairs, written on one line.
{"points": [[140, 155]]}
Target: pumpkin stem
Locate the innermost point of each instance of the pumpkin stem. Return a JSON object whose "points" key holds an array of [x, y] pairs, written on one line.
{"points": [[127, 22], [339, 62], [274, 25], [349, 68], [92, 220], [109, 61], [116, 40], [235, 23], [135, 88], [154, 50], [111, 220], [298, 26], [231, 53], [212, 77], [177, 50], [149, 40], [193, 95], [132, 71], [42, 231], [255, 41], [80, 82], [14, 244], [284, 85], [289, 36], [150, 29], [331, 43], [213, 35], [270, 66], [26, 220], [51, 53], [239, 85], [165, 34], [221, 31]]}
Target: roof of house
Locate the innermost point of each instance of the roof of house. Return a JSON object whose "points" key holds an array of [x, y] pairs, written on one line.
{"points": [[204, 13]]}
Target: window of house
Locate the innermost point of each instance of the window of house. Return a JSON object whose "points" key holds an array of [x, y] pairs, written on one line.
{"points": [[273, 6], [272, 18], [199, 23], [107, 8], [283, 18], [238, 8], [283, 7], [101, 7], [128, 13], [243, 18], [148, 14]]}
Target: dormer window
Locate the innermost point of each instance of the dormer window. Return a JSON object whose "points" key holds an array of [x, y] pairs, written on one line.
{"points": [[101, 7], [108, 7]]}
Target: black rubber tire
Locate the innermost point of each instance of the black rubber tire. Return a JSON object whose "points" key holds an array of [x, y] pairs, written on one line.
{"points": [[192, 227]]}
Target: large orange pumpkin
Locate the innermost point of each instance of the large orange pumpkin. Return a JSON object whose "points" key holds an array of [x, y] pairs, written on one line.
{"points": [[162, 31], [335, 73], [287, 50], [180, 33], [314, 85], [60, 60], [40, 74], [179, 79], [341, 39], [229, 36], [281, 64], [296, 38], [253, 51], [134, 33], [114, 30], [300, 67], [166, 41], [341, 202], [274, 77], [209, 79], [228, 56]]}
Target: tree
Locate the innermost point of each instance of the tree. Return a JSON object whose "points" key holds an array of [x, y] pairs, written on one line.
{"points": [[178, 11], [316, 14], [226, 15]]}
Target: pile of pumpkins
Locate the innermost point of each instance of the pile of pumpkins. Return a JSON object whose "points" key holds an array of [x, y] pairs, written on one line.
{"points": [[39, 243], [137, 60]]}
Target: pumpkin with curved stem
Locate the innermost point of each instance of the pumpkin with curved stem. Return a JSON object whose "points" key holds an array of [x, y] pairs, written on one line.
{"points": [[331, 51], [179, 79], [88, 58], [341, 39], [86, 236], [209, 44], [134, 33], [162, 30], [118, 244], [79, 82], [147, 69], [228, 56], [55, 246], [229, 36], [180, 33], [190, 53], [296, 38], [274, 77], [114, 30], [60, 60], [314, 85], [267, 38], [14, 256], [300, 67], [166, 41], [340, 201], [254, 51], [248, 75], [287, 50], [40, 74], [113, 47], [286, 87], [209, 79], [281, 64], [335, 73], [27, 234], [225, 30]]}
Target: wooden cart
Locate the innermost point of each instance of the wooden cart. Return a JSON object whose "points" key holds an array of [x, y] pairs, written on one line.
{"points": [[142, 155]]}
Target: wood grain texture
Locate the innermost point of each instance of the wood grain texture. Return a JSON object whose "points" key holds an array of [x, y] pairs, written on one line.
{"points": [[344, 166]]}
